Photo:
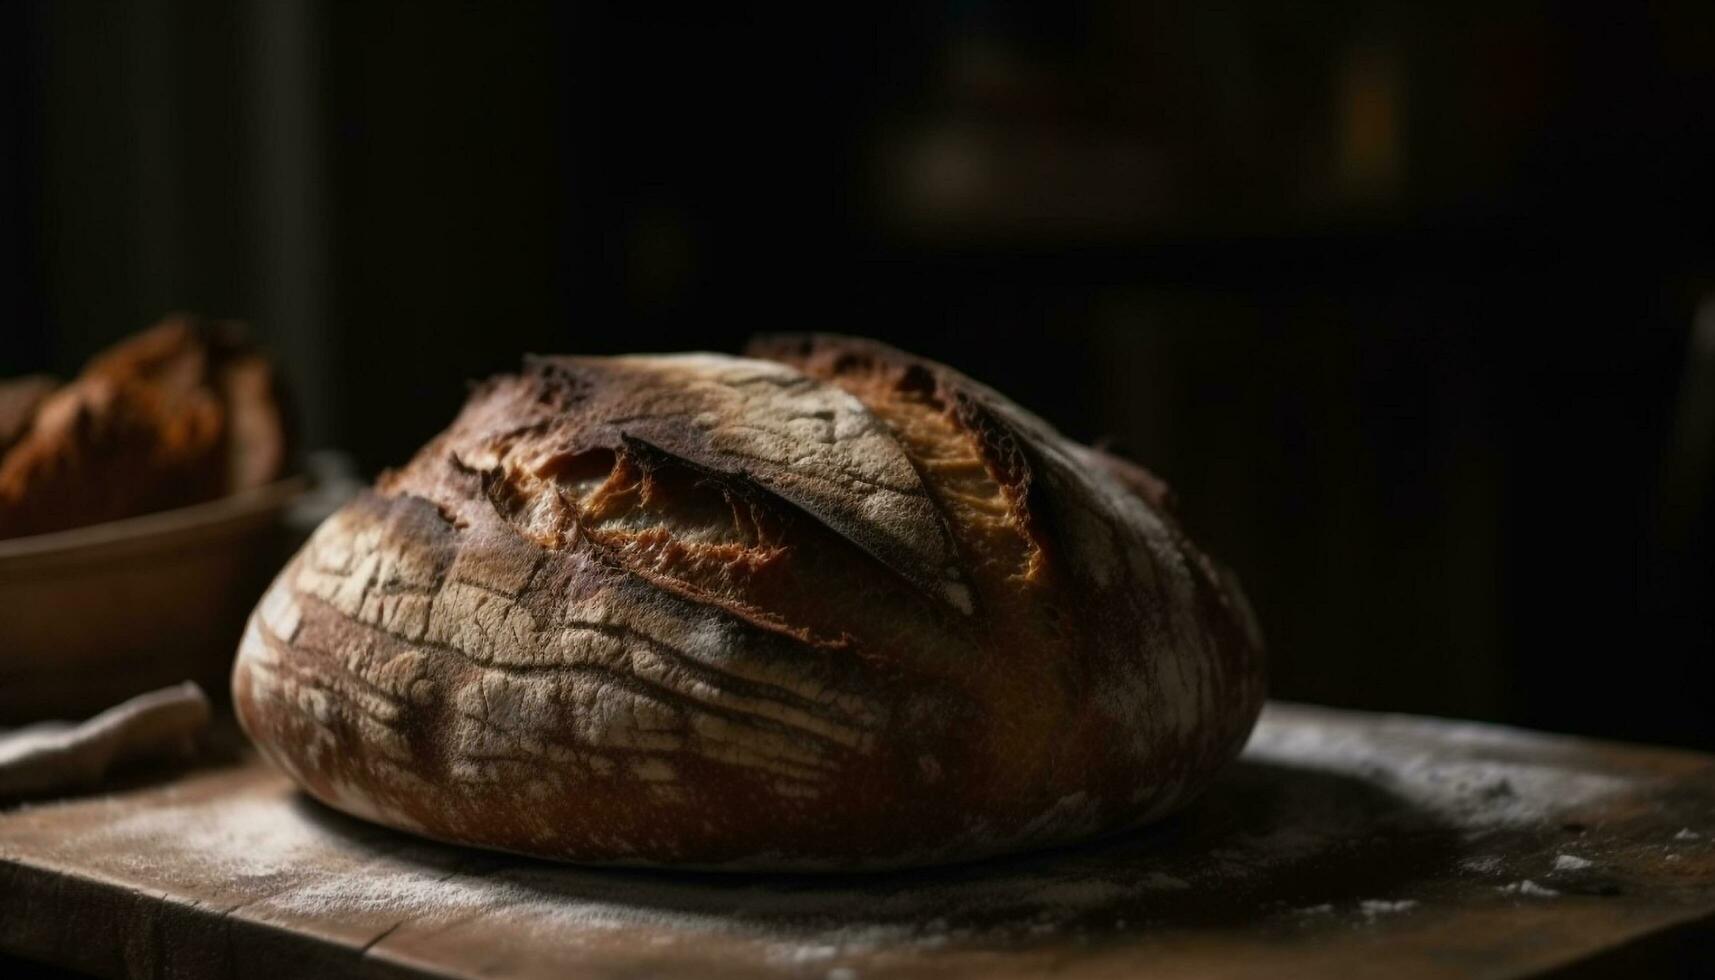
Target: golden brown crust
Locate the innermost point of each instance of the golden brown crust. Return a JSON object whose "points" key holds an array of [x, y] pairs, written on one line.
{"points": [[178, 414], [838, 607]]}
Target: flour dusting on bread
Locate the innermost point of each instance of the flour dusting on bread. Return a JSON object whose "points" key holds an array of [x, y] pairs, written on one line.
{"points": [[831, 606]]}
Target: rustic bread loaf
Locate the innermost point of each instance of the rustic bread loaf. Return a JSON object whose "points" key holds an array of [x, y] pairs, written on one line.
{"points": [[830, 606], [181, 413]]}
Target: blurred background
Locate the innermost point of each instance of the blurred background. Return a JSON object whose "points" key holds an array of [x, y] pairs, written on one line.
{"points": [[1413, 304]]}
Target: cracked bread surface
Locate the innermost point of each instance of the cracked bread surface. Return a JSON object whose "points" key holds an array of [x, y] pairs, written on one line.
{"points": [[828, 606]]}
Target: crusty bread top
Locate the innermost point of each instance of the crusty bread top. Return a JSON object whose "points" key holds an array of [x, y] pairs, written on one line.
{"points": [[809, 444], [1024, 566]]}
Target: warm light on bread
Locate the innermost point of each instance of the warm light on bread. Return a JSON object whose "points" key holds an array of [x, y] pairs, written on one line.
{"points": [[827, 606]]}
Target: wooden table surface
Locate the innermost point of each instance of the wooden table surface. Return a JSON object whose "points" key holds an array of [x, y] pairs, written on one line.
{"points": [[1343, 844]]}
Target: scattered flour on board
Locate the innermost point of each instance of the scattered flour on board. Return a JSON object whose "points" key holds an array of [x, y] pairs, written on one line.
{"points": [[1369, 908], [276, 857], [234, 838], [1481, 863], [1470, 792], [336, 876], [1528, 887]]}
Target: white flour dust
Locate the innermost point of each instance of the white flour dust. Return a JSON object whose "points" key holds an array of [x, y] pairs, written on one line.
{"points": [[1528, 888], [1471, 793], [276, 858]]}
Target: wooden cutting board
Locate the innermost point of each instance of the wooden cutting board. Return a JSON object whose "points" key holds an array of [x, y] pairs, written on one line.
{"points": [[1342, 845]]}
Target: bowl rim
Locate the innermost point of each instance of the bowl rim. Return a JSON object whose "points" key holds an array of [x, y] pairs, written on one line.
{"points": [[232, 508]]}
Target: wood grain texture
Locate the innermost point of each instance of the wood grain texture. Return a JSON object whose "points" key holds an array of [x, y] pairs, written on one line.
{"points": [[842, 608], [1341, 844]]}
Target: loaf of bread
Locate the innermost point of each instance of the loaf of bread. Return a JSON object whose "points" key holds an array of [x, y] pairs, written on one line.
{"points": [[829, 606], [181, 413]]}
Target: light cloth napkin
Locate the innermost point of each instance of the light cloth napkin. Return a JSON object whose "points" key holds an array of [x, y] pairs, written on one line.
{"points": [[54, 757]]}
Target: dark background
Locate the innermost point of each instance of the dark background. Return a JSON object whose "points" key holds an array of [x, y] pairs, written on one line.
{"points": [[1414, 304]]}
